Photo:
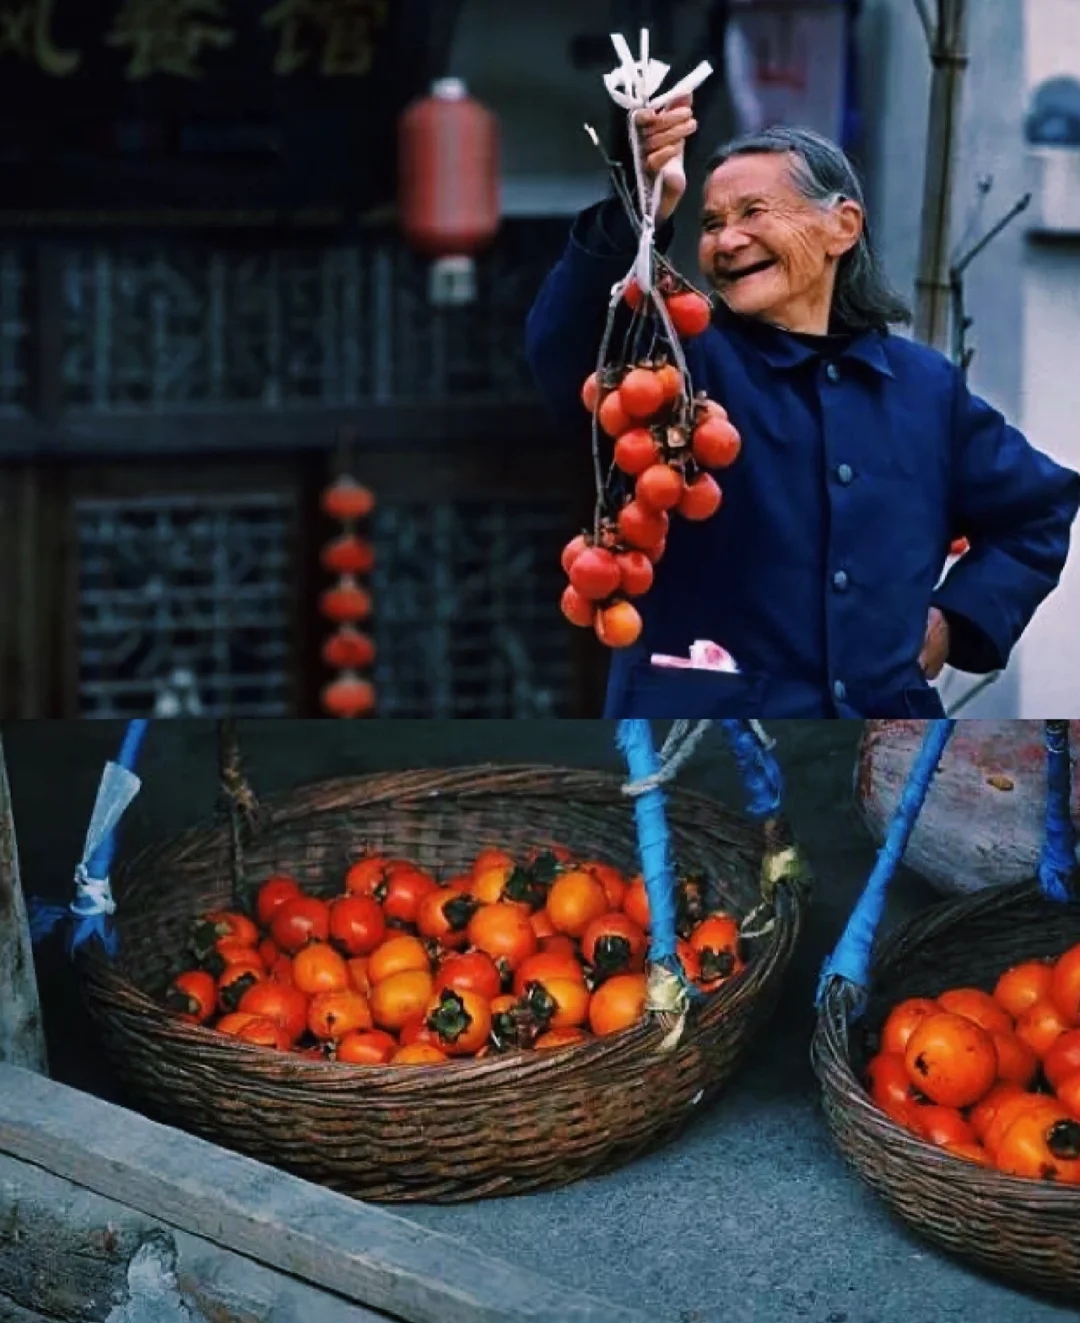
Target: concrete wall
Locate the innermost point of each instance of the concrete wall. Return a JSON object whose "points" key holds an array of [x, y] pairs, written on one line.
{"points": [[521, 69], [1049, 668], [1024, 296], [1051, 382], [897, 74]]}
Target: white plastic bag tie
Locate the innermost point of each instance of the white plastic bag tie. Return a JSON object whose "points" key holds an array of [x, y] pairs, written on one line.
{"points": [[634, 86], [115, 793]]}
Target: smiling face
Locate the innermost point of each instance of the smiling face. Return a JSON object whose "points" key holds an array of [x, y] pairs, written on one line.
{"points": [[767, 250]]}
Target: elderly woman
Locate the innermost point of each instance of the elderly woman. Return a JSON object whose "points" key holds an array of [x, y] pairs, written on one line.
{"points": [[864, 455]]}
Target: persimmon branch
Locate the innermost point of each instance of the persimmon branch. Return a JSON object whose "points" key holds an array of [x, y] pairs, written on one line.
{"points": [[962, 354], [1021, 205], [617, 173]]}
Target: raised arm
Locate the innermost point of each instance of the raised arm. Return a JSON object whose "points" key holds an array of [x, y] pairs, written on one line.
{"points": [[566, 323]]}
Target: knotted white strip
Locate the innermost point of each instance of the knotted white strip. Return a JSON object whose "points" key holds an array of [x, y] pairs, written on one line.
{"points": [[634, 86], [115, 793], [93, 895]]}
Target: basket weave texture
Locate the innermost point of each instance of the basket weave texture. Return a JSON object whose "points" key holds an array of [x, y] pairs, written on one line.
{"points": [[469, 1129], [1025, 1231]]}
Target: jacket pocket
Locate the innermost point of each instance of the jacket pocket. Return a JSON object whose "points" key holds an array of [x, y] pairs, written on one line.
{"points": [[674, 694]]}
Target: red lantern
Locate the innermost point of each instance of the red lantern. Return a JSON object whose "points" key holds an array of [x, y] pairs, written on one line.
{"points": [[448, 185], [349, 696], [349, 554], [346, 499], [346, 602], [347, 651]]}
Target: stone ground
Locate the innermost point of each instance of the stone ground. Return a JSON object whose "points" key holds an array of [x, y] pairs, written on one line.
{"points": [[750, 1215]]}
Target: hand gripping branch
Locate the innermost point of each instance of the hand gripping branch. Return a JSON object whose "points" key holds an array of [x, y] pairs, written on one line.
{"points": [[634, 85]]}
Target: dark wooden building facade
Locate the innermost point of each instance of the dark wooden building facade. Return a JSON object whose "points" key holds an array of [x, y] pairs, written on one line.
{"points": [[201, 288]]}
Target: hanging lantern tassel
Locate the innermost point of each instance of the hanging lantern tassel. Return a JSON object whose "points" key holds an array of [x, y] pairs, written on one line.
{"points": [[348, 603], [448, 186]]}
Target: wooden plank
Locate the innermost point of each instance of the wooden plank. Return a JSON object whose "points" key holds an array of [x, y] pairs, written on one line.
{"points": [[79, 1252], [45, 314], [29, 600], [402, 425], [22, 1039], [32, 550], [473, 470], [339, 1244], [10, 507]]}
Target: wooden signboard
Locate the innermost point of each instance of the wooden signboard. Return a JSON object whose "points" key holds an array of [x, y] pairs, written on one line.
{"points": [[215, 111]]}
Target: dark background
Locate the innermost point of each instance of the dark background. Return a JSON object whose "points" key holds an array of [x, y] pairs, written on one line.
{"points": [[204, 295], [228, 128], [750, 1214]]}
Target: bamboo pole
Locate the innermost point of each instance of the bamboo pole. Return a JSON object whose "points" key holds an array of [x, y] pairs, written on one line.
{"points": [[946, 33], [22, 1037]]}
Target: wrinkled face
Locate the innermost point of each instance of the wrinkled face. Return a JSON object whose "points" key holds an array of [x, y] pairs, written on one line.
{"points": [[768, 251]]}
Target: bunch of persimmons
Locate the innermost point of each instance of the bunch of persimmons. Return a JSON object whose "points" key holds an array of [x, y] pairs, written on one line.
{"points": [[402, 968]]}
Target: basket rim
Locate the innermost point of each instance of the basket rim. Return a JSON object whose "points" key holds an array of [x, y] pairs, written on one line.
{"points": [[422, 784], [831, 1060], [416, 787]]}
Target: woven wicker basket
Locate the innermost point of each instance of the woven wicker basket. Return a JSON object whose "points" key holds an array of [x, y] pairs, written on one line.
{"points": [[464, 1130], [1022, 1230]]}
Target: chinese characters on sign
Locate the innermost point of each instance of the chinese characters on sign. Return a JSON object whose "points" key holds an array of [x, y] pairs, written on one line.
{"points": [[168, 36], [345, 30], [335, 38], [26, 32], [188, 109]]}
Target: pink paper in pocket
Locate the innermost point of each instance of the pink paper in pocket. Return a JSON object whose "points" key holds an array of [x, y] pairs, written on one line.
{"points": [[704, 656]]}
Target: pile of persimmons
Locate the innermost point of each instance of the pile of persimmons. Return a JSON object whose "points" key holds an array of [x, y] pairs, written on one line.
{"points": [[991, 1077], [402, 968], [665, 442]]}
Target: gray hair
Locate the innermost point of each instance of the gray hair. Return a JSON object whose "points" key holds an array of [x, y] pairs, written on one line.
{"points": [[863, 298]]}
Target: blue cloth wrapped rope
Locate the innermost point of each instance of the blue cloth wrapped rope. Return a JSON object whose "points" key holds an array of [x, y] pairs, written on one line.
{"points": [[635, 742], [851, 959], [760, 776], [89, 915], [1057, 870], [758, 769]]}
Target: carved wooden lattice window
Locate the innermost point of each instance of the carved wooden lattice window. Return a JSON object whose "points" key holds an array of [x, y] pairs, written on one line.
{"points": [[203, 583], [160, 327], [184, 605], [467, 620]]}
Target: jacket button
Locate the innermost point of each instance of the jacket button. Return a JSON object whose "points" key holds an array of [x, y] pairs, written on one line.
{"points": [[833, 373], [844, 474], [840, 581], [839, 690]]}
